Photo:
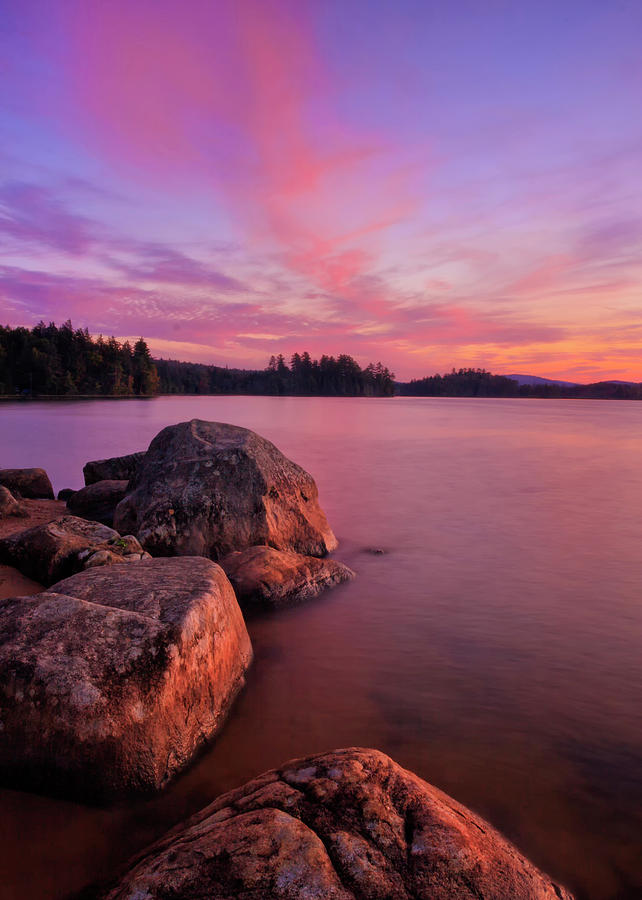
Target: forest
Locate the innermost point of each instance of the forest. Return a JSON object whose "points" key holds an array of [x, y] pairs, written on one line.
{"points": [[480, 383], [304, 376], [50, 360], [462, 383]]}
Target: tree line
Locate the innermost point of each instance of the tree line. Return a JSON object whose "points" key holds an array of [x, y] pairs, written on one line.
{"points": [[462, 383], [51, 360], [480, 383], [64, 360], [302, 376]]}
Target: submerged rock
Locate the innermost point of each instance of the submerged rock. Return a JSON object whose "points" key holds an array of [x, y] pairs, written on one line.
{"points": [[9, 506], [112, 680], [208, 488], [263, 577], [116, 468], [98, 501], [347, 825], [31, 483], [65, 546]]}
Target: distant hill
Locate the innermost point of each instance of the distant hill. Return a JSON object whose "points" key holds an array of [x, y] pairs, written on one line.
{"points": [[535, 379]]}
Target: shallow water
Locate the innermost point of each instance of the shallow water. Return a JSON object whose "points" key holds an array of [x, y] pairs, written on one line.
{"points": [[495, 649]]}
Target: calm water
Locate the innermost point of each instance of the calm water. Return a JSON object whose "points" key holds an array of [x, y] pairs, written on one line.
{"points": [[495, 649]]}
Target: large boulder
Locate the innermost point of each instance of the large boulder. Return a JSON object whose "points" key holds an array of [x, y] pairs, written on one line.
{"points": [[265, 578], [65, 546], [97, 501], [111, 681], [208, 489], [347, 825], [31, 483], [9, 506], [116, 468]]}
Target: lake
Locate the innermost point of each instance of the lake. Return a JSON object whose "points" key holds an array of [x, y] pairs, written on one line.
{"points": [[495, 648]]}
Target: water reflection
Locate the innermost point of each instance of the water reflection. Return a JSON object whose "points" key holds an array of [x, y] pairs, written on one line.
{"points": [[495, 649]]}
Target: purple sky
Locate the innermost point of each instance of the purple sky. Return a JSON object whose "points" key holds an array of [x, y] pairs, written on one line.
{"points": [[426, 183]]}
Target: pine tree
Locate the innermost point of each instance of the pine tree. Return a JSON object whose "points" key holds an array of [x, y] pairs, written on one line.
{"points": [[145, 374]]}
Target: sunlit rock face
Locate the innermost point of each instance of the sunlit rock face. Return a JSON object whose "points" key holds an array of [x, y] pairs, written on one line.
{"points": [[113, 679], [206, 488], [265, 578], [347, 825]]}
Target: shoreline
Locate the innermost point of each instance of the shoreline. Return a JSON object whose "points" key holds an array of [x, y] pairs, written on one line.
{"points": [[53, 398]]}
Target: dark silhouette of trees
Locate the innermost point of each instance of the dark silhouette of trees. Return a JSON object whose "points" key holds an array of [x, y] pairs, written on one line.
{"points": [[480, 383], [145, 374], [462, 383], [63, 361], [329, 377], [51, 360]]}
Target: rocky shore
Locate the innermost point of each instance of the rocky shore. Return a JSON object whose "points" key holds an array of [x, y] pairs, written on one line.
{"points": [[123, 645], [348, 825], [114, 678]]}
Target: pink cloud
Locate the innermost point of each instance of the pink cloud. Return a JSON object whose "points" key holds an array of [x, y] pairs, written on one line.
{"points": [[165, 265], [344, 247], [33, 215], [544, 276], [238, 95]]}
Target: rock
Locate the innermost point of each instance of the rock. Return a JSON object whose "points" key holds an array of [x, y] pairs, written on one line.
{"points": [[65, 494], [9, 506], [111, 681], [31, 483], [63, 547], [111, 552], [117, 468], [98, 558], [207, 489], [346, 825], [116, 550], [263, 577], [98, 501]]}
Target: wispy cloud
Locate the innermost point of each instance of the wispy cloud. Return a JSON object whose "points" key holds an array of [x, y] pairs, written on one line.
{"points": [[32, 215], [260, 175]]}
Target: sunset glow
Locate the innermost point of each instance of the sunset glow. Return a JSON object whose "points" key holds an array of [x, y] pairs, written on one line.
{"points": [[423, 183]]}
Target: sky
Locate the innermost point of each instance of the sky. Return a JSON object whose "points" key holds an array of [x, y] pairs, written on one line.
{"points": [[424, 183]]}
